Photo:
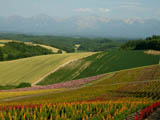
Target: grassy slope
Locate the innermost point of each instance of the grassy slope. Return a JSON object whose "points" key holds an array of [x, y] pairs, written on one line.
{"points": [[110, 87], [32, 69], [101, 63]]}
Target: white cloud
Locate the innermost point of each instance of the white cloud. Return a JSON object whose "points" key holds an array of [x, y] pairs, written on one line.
{"points": [[86, 22], [104, 10], [84, 10], [89, 22], [90, 10], [131, 5], [132, 21], [128, 21]]}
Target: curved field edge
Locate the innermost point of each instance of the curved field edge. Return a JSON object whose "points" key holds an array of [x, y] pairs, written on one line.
{"points": [[32, 69], [140, 84], [53, 49], [9, 95], [101, 63]]}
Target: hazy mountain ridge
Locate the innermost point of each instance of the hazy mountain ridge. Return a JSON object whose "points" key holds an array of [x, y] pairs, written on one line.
{"points": [[82, 26]]}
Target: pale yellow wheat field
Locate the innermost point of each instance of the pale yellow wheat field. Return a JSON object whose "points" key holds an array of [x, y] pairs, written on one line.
{"points": [[34, 68]]}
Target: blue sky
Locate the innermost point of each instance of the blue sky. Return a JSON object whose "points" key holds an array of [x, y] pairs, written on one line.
{"points": [[114, 9]]}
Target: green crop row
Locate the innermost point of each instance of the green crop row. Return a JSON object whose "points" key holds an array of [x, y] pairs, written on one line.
{"points": [[101, 63]]}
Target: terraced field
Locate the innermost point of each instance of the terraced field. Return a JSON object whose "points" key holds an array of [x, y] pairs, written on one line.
{"points": [[11, 94], [113, 97], [101, 63], [34, 68], [140, 84]]}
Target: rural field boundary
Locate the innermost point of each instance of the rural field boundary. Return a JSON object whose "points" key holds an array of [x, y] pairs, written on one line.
{"points": [[82, 58], [74, 84], [123, 83], [42, 94], [33, 84]]}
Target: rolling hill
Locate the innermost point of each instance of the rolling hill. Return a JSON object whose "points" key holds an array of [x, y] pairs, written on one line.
{"points": [[34, 68], [138, 84], [55, 50], [116, 95], [101, 63]]}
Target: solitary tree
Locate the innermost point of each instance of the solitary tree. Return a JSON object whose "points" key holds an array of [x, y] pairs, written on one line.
{"points": [[59, 51]]}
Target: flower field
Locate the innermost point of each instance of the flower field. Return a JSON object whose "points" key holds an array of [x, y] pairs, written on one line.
{"points": [[6, 95], [72, 111], [113, 96], [147, 111]]}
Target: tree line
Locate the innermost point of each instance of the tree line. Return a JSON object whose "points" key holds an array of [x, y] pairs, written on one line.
{"points": [[16, 50], [149, 43], [67, 43]]}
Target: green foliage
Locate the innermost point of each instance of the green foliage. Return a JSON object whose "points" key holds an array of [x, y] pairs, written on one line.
{"points": [[7, 87], [59, 51], [149, 43], [1, 55], [100, 63], [68, 43], [99, 45], [16, 50], [23, 85]]}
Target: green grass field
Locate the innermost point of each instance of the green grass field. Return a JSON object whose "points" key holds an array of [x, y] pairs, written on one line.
{"points": [[33, 68], [130, 85], [100, 63]]}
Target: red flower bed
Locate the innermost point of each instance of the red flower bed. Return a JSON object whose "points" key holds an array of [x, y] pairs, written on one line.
{"points": [[147, 111]]}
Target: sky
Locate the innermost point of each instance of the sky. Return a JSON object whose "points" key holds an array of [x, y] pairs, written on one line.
{"points": [[114, 9]]}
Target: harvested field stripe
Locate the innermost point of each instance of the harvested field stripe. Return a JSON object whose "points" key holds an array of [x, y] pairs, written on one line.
{"points": [[57, 69], [32, 69]]}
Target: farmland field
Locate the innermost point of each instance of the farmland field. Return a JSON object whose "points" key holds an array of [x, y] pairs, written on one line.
{"points": [[11, 94], [6, 41], [105, 98], [1, 45], [73, 111], [101, 63], [33, 68], [141, 84], [55, 50], [112, 85]]}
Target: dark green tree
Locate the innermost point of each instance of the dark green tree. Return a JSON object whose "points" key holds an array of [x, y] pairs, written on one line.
{"points": [[1, 55], [59, 51]]}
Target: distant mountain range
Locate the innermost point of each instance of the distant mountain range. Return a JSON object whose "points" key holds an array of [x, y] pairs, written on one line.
{"points": [[95, 26]]}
